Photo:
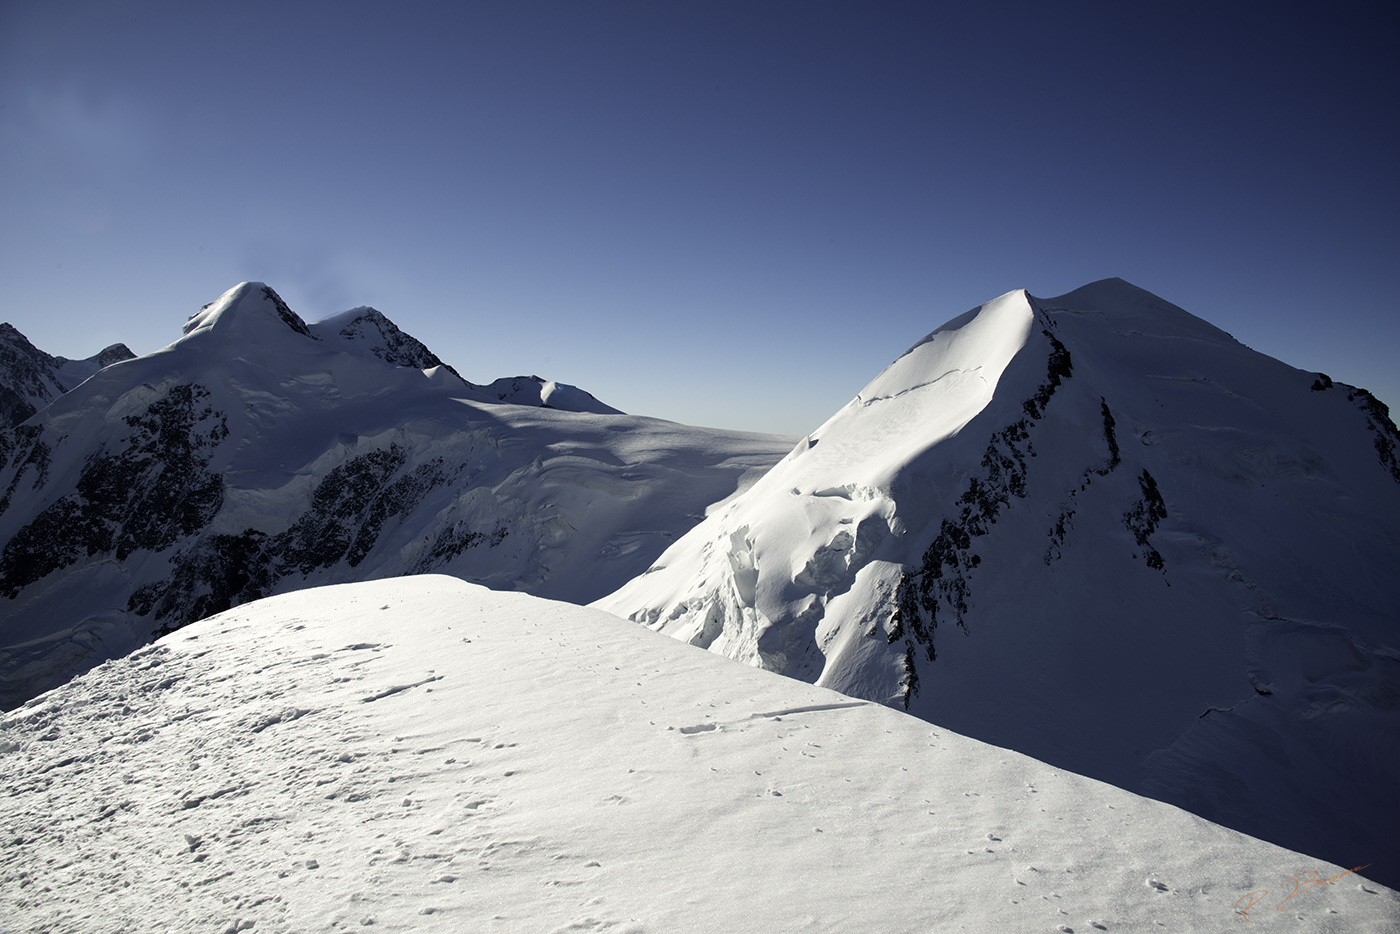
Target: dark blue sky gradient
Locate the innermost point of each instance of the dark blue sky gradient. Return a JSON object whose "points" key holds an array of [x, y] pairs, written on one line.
{"points": [[722, 213]]}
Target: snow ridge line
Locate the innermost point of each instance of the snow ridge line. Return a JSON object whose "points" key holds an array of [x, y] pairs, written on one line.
{"points": [[904, 392]]}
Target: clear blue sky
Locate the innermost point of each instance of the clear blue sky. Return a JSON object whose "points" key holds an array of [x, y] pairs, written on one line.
{"points": [[723, 213]]}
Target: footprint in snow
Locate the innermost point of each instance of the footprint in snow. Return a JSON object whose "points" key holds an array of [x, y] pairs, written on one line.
{"points": [[699, 728]]}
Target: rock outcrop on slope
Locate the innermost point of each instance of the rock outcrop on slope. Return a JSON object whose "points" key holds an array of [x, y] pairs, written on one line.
{"points": [[1099, 531], [259, 454], [30, 379]]}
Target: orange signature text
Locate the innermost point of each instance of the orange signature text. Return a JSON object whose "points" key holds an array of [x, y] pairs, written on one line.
{"points": [[1299, 883]]}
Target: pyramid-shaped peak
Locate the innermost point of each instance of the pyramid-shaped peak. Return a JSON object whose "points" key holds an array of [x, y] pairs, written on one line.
{"points": [[1113, 296], [367, 331], [367, 312], [1112, 288], [9, 334], [247, 305], [1130, 309], [107, 356]]}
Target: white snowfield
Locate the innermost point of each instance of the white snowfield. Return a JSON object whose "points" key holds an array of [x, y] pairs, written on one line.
{"points": [[1099, 531], [427, 755]]}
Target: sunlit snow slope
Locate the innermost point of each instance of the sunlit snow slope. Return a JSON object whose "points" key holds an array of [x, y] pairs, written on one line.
{"points": [[1099, 531], [426, 755], [258, 454]]}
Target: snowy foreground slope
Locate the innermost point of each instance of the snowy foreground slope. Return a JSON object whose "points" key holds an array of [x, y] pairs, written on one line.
{"points": [[259, 454], [427, 755], [1099, 531]]}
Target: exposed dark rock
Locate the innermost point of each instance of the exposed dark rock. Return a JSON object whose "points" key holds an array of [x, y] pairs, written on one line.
{"points": [[1142, 520], [291, 318], [394, 346], [116, 353], [347, 511], [30, 378], [1378, 422], [1111, 439], [13, 407], [942, 581], [1060, 368], [451, 542], [217, 573], [24, 447], [1060, 530], [152, 489], [909, 679]]}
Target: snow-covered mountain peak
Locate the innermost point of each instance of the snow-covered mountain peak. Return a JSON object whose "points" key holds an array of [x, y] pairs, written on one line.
{"points": [[939, 384], [1100, 498], [246, 310], [535, 390], [1132, 312], [107, 356], [31, 379], [366, 332], [257, 453], [959, 364], [989, 334]]}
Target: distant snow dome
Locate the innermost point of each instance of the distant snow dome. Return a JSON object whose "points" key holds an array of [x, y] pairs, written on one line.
{"points": [[532, 390]]}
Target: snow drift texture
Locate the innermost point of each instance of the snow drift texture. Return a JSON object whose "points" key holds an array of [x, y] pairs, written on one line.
{"points": [[258, 454], [1099, 531], [425, 755]]}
